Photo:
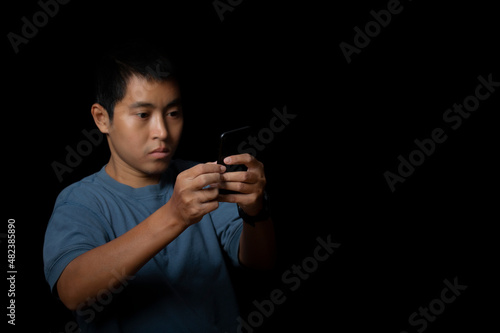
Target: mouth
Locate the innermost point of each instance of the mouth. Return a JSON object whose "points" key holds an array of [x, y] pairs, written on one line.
{"points": [[161, 152]]}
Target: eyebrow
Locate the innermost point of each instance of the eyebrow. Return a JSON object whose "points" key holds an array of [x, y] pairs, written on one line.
{"points": [[141, 104]]}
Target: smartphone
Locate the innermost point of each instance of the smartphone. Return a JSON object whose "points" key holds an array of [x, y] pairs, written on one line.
{"points": [[229, 143]]}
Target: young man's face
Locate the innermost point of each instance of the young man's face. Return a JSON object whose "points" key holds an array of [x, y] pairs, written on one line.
{"points": [[146, 127]]}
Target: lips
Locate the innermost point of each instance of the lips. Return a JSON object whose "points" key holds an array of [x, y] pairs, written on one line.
{"points": [[160, 152]]}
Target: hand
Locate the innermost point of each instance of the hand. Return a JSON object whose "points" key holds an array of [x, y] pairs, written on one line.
{"points": [[250, 184], [196, 192]]}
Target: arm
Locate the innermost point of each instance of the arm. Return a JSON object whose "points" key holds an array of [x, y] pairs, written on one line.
{"points": [[257, 243], [108, 265], [258, 246]]}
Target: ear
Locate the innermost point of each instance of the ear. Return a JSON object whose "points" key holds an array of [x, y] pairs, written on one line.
{"points": [[101, 117]]}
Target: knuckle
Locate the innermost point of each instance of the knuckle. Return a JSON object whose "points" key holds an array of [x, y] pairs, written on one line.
{"points": [[240, 187], [180, 177], [246, 177], [202, 179], [186, 201], [192, 211]]}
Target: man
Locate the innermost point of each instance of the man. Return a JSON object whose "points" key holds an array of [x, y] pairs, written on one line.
{"points": [[142, 245]]}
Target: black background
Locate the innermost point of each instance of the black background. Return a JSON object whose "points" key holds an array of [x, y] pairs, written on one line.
{"points": [[325, 169]]}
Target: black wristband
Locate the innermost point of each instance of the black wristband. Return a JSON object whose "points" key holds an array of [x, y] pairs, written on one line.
{"points": [[263, 215]]}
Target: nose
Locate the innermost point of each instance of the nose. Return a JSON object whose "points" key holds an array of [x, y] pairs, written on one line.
{"points": [[159, 129]]}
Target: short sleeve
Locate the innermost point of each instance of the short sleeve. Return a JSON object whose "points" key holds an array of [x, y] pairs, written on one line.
{"points": [[228, 227], [72, 230]]}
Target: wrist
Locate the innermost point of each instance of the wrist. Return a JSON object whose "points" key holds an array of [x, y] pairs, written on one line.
{"points": [[256, 215], [171, 221]]}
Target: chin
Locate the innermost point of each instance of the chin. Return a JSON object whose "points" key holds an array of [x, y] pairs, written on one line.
{"points": [[158, 167]]}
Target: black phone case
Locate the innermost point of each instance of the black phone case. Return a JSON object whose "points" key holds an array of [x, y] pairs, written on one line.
{"points": [[230, 143]]}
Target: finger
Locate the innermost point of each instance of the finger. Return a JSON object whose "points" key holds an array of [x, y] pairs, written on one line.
{"points": [[240, 176], [241, 199], [245, 159], [200, 169], [209, 206], [233, 198], [237, 187], [207, 179], [208, 194]]}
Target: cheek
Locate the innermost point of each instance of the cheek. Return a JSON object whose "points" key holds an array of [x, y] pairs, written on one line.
{"points": [[175, 131], [133, 143], [129, 138]]}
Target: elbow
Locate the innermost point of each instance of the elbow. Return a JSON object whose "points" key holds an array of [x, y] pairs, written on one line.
{"points": [[70, 294], [71, 287], [72, 306], [68, 297]]}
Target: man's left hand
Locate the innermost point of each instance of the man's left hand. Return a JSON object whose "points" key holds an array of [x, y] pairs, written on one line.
{"points": [[250, 184]]}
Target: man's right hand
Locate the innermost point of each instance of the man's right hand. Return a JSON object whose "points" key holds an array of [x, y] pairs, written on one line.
{"points": [[195, 192]]}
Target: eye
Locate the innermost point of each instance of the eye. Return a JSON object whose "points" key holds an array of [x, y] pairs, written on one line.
{"points": [[142, 115], [174, 114]]}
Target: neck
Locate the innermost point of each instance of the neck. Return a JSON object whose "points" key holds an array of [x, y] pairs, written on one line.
{"points": [[127, 175]]}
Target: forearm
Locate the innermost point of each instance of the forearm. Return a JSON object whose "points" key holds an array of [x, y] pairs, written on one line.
{"points": [[258, 245], [108, 265]]}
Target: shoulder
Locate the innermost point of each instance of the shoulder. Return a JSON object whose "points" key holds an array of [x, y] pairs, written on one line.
{"points": [[84, 192]]}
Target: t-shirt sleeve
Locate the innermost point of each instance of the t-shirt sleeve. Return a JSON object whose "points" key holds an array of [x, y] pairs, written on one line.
{"points": [[72, 230], [228, 226], [226, 220]]}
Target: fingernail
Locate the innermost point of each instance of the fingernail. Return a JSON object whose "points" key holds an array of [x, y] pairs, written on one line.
{"points": [[222, 168], [227, 160]]}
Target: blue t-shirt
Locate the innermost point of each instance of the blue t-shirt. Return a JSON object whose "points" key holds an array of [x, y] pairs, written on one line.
{"points": [[184, 288]]}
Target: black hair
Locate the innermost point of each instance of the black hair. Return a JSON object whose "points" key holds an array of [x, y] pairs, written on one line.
{"points": [[124, 61]]}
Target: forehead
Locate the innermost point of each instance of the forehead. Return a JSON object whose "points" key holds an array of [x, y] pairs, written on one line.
{"points": [[159, 93]]}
